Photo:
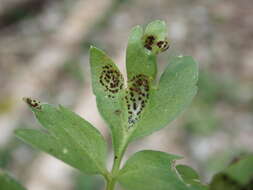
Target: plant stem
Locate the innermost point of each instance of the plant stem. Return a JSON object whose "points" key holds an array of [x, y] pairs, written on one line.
{"points": [[110, 185], [115, 169], [111, 181]]}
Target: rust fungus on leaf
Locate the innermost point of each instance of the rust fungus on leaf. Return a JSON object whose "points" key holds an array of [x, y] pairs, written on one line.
{"points": [[149, 42], [111, 79], [33, 103], [137, 97]]}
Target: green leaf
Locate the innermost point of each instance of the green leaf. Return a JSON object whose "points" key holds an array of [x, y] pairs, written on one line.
{"points": [[222, 182], [8, 183], [237, 176], [241, 171], [69, 138], [107, 84], [190, 177], [187, 173], [151, 170], [175, 91]]}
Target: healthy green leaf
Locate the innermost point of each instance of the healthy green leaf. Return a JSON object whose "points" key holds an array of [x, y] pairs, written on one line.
{"points": [[242, 171], [107, 84], [190, 177], [8, 183], [237, 176], [223, 182], [69, 138], [187, 173], [151, 170], [176, 89]]}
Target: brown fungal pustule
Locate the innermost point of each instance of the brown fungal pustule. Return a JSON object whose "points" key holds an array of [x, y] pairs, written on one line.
{"points": [[163, 45], [136, 97], [149, 41], [111, 79], [33, 103]]}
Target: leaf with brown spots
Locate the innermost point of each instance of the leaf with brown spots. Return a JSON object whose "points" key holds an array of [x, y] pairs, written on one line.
{"points": [[138, 60], [175, 91], [137, 96], [155, 37], [108, 87]]}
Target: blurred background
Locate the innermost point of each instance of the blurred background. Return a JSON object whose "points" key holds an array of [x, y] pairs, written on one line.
{"points": [[44, 54]]}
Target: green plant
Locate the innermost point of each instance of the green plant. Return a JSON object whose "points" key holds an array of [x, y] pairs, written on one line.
{"points": [[131, 111]]}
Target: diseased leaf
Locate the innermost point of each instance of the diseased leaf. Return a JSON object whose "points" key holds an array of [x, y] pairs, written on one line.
{"points": [[151, 170], [175, 91], [143, 107], [131, 112], [8, 183], [137, 96], [141, 68], [155, 37], [69, 138], [143, 47], [139, 61], [107, 84]]}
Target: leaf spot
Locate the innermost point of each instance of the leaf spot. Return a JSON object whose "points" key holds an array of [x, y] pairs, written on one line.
{"points": [[33, 103], [163, 45], [111, 79], [136, 97], [149, 42]]}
